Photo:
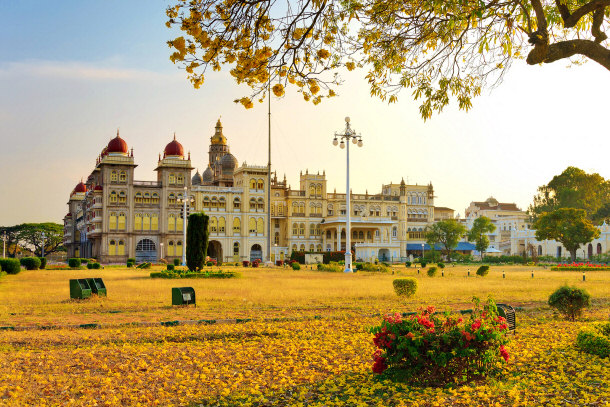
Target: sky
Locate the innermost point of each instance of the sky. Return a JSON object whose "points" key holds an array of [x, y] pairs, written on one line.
{"points": [[72, 72]]}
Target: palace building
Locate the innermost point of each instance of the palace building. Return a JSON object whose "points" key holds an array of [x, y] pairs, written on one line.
{"points": [[112, 217]]}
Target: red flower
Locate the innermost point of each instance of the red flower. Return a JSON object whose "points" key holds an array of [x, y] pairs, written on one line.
{"points": [[504, 353], [380, 365]]}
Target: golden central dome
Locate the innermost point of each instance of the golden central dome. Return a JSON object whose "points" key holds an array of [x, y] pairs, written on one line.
{"points": [[218, 137]]}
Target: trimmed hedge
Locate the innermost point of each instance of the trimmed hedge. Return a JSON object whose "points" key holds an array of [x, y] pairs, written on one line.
{"points": [[176, 262], [595, 340], [440, 265], [10, 266], [405, 286], [408, 264], [190, 274], [570, 301], [483, 271], [94, 266], [130, 264], [170, 267], [580, 268], [30, 263], [43, 262], [144, 265], [432, 271], [423, 264], [334, 267], [295, 266], [74, 262]]}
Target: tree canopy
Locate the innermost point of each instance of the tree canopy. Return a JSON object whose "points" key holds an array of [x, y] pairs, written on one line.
{"points": [[573, 188], [447, 233], [29, 236], [478, 233], [440, 49], [568, 226]]}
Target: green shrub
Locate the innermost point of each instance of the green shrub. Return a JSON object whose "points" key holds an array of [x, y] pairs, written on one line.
{"points": [[408, 264], [209, 264], [570, 301], [405, 286], [43, 262], [84, 261], [333, 266], [423, 264], [144, 265], [595, 339], [295, 266], [130, 264], [74, 262], [30, 263], [89, 266], [358, 266], [170, 267], [176, 262], [96, 266], [132, 259], [432, 271], [10, 266], [483, 271], [440, 265], [375, 267]]}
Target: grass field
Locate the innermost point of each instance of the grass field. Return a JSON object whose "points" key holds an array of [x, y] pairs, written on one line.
{"points": [[322, 356]]}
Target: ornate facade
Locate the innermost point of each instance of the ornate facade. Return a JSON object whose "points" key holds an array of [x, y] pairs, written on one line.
{"points": [[113, 217]]}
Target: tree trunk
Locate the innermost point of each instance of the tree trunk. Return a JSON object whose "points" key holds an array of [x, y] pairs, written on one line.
{"points": [[573, 255]]}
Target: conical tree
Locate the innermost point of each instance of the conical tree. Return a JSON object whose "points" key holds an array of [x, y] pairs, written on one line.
{"points": [[197, 241]]}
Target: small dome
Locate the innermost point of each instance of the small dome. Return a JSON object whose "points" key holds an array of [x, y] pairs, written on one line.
{"points": [[492, 201], [80, 187], [174, 149], [117, 145], [197, 179], [218, 137], [208, 175], [228, 162]]}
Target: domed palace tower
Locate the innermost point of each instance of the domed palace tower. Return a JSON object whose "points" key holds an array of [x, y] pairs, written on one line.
{"points": [[222, 163]]}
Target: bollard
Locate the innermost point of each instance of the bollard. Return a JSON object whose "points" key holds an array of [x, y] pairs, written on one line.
{"points": [[532, 273], [503, 274], [417, 271], [468, 272], [583, 276], [443, 273]]}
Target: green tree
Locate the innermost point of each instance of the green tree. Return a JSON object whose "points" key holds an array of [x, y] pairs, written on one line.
{"points": [[447, 233], [197, 235], [13, 238], [31, 237], [568, 226], [441, 49], [602, 214], [573, 188], [478, 233]]}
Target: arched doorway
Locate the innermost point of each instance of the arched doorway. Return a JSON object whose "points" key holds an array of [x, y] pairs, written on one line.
{"points": [[256, 252], [146, 250], [215, 250], [384, 254], [599, 248], [590, 251], [558, 252]]}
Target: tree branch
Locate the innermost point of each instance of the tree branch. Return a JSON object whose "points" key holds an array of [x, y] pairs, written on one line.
{"points": [[567, 49], [571, 19]]}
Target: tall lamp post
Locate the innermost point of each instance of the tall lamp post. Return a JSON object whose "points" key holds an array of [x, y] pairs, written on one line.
{"points": [[348, 135], [4, 244], [184, 199], [422, 251]]}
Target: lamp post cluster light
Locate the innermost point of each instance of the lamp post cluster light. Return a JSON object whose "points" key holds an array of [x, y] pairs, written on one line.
{"points": [[348, 135]]}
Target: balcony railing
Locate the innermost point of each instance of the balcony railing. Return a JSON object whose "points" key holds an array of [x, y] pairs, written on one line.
{"points": [[153, 184]]}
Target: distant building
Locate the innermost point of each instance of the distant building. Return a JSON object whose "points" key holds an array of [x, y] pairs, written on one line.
{"points": [[443, 213], [506, 216], [112, 217]]}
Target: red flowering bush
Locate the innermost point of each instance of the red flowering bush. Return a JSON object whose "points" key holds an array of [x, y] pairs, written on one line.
{"points": [[580, 267], [436, 349]]}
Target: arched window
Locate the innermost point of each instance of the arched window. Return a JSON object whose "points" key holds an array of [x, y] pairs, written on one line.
{"points": [[180, 180], [170, 248], [539, 250], [368, 235], [294, 247], [312, 190], [295, 208], [276, 238], [302, 247], [214, 203], [221, 225], [179, 248], [295, 229], [236, 249], [319, 193], [354, 235], [252, 225], [361, 235], [260, 226], [236, 204], [260, 204], [122, 197], [137, 224], [121, 248], [123, 176], [328, 234], [222, 204], [252, 204], [260, 185], [138, 197], [311, 247], [171, 223], [121, 221], [236, 226], [171, 199], [155, 197], [113, 176], [394, 232], [252, 183], [206, 202], [113, 197], [302, 229], [112, 248], [112, 221], [146, 222], [273, 210], [319, 248], [213, 225], [172, 179], [154, 222], [312, 229], [302, 207], [146, 197], [280, 209]]}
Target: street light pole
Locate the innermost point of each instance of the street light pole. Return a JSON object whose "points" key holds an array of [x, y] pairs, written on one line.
{"points": [[349, 135], [422, 251], [4, 244]]}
